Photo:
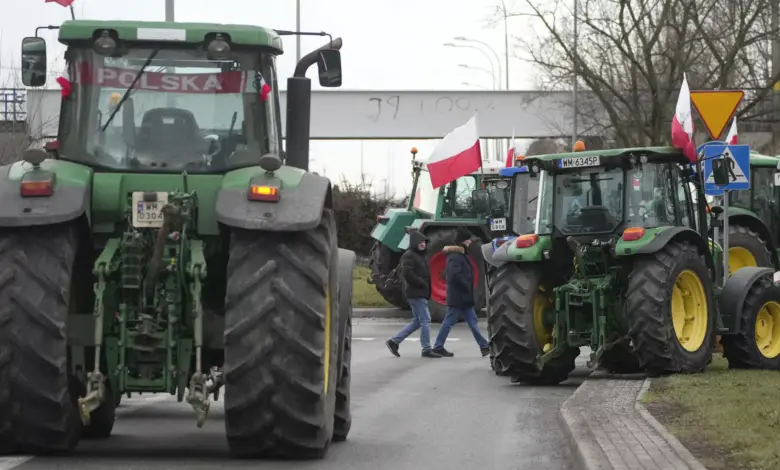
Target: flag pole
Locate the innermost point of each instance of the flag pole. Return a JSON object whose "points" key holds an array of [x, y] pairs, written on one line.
{"points": [[72, 12]]}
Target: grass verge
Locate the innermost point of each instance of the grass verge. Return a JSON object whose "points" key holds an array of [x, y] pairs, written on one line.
{"points": [[364, 294], [729, 419]]}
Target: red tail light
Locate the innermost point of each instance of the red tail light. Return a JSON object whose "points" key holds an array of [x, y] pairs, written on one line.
{"points": [[40, 188], [263, 193], [526, 241], [633, 233]]}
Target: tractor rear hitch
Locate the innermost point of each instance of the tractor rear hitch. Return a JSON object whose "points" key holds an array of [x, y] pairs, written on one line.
{"points": [[96, 392]]}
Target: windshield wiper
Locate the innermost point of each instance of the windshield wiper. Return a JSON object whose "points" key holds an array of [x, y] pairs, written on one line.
{"points": [[130, 88]]}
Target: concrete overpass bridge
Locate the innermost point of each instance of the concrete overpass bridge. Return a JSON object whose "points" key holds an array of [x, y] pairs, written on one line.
{"points": [[353, 114]]}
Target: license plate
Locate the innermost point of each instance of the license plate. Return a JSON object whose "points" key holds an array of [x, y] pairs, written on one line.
{"points": [[148, 214], [579, 162], [498, 225]]}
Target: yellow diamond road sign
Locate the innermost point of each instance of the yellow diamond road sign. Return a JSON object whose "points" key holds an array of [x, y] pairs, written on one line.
{"points": [[716, 107]]}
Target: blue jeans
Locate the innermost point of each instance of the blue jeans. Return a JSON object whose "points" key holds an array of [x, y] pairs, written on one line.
{"points": [[421, 321], [451, 318]]}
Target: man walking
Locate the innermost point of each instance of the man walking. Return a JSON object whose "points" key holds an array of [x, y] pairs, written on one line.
{"points": [[416, 281], [460, 294]]}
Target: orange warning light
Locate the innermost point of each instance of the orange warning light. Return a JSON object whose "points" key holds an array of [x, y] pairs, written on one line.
{"points": [[579, 146]]}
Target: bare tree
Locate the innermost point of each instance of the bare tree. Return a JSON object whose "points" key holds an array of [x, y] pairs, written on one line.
{"points": [[631, 56]]}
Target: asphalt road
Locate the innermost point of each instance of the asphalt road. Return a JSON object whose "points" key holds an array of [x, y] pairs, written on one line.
{"points": [[408, 412]]}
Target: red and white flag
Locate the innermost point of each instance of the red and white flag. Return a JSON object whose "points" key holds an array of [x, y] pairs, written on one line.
{"points": [[682, 123], [65, 3], [65, 83], [458, 154], [264, 88], [510, 154], [733, 136]]}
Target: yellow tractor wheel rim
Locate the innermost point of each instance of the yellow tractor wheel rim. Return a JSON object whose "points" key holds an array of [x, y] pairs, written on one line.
{"points": [[689, 311], [739, 258], [543, 335], [768, 330]]}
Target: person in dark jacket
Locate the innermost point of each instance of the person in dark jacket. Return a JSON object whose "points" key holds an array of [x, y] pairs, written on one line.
{"points": [[460, 294], [416, 281]]}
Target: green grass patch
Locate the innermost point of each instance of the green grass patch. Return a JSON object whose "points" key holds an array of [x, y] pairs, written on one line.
{"points": [[365, 294], [729, 419]]}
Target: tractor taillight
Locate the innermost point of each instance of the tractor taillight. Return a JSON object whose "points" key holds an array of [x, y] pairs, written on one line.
{"points": [[526, 241], [40, 188], [633, 233], [263, 193]]}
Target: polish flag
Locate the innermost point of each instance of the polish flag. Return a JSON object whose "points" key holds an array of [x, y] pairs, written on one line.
{"points": [[682, 123], [733, 137], [510, 154], [65, 3], [263, 87], [458, 154], [65, 83]]}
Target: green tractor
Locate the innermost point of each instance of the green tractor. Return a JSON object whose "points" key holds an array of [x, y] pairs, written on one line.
{"points": [[438, 214], [619, 261], [166, 243], [754, 217]]}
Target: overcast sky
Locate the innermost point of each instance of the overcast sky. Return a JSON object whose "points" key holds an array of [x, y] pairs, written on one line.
{"points": [[388, 45]]}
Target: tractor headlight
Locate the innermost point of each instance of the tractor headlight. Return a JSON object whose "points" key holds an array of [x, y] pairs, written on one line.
{"points": [[105, 44], [218, 49]]}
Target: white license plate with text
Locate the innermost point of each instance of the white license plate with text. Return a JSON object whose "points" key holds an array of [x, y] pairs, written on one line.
{"points": [[148, 214], [579, 162], [498, 225]]}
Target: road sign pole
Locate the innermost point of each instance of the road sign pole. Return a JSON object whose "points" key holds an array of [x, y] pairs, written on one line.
{"points": [[725, 236]]}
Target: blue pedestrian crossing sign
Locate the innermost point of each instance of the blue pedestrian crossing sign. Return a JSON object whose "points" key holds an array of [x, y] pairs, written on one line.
{"points": [[737, 161]]}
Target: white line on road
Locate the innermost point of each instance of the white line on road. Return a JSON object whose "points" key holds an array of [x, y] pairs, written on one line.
{"points": [[133, 404]]}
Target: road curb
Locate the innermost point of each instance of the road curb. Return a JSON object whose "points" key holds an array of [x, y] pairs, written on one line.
{"points": [[618, 431]]}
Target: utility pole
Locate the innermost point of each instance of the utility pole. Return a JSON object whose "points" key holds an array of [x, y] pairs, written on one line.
{"points": [[574, 70], [169, 15], [298, 29]]}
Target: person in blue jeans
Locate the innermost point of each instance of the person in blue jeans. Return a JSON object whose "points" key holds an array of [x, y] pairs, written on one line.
{"points": [[416, 280], [460, 294]]}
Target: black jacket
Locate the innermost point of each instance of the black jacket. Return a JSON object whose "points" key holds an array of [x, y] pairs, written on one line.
{"points": [[460, 277], [415, 274]]}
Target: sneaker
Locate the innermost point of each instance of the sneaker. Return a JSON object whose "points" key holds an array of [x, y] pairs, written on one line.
{"points": [[393, 347], [484, 351], [443, 352], [429, 353]]}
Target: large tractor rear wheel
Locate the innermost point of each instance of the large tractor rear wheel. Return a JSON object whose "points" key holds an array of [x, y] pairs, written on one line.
{"points": [[281, 341], [519, 332], [757, 346], [747, 249], [37, 415], [343, 415], [669, 309], [383, 262], [437, 263]]}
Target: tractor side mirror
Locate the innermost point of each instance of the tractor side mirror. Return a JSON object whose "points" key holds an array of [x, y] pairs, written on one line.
{"points": [[481, 199], [720, 171], [329, 68], [33, 61]]}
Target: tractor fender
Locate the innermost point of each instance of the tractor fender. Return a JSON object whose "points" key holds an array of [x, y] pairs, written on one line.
{"points": [[299, 206], [677, 234], [733, 295], [346, 267], [752, 222], [70, 198], [487, 255], [500, 255]]}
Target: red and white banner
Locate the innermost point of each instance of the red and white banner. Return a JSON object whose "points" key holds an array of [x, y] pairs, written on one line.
{"points": [[206, 83]]}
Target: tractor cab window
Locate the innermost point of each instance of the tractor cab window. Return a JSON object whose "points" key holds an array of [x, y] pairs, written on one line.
{"points": [[499, 195], [457, 201], [526, 200], [589, 200], [651, 199], [183, 111]]}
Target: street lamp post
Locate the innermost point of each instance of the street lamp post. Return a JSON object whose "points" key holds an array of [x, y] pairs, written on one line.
{"points": [[575, 104], [482, 69], [169, 10], [506, 44], [487, 46], [297, 29]]}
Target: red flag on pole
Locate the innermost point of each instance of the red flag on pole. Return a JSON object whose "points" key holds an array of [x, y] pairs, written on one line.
{"points": [[65, 3]]}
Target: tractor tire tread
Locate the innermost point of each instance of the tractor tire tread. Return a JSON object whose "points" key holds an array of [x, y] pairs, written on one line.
{"points": [[740, 349]]}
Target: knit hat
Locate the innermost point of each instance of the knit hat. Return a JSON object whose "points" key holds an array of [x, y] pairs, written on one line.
{"points": [[462, 235]]}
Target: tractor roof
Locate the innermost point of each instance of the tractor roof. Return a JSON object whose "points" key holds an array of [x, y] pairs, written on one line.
{"points": [[760, 160], [75, 30], [672, 152]]}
